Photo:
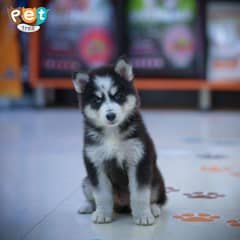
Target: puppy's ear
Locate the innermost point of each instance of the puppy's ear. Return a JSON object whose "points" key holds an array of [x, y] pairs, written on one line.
{"points": [[79, 81], [124, 69]]}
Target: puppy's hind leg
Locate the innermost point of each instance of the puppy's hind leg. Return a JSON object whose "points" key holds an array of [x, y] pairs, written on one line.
{"points": [[88, 206], [158, 195], [155, 207]]}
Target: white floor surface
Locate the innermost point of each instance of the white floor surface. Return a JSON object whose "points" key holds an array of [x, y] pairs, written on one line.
{"points": [[41, 169]]}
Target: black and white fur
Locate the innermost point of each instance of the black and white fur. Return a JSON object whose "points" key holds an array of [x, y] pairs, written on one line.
{"points": [[119, 154]]}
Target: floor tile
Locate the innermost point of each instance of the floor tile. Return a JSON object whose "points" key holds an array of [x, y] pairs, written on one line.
{"points": [[41, 170]]}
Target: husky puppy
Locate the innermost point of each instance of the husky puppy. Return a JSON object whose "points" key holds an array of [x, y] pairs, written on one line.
{"points": [[119, 154]]}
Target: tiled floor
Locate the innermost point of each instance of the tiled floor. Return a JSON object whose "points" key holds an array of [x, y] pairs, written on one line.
{"points": [[41, 170]]}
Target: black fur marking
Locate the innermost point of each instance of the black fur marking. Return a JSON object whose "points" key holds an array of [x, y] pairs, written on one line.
{"points": [[122, 209], [157, 181], [144, 172], [91, 171], [145, 166], [133, 120], [117, 175], [96, 102], [119, 97]]}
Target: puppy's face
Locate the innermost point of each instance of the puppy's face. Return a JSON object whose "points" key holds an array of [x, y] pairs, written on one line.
{"points": [[107, 94]]}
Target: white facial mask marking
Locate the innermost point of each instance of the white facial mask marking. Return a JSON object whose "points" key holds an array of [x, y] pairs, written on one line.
{"points": [[105, 85], [113, 90]]}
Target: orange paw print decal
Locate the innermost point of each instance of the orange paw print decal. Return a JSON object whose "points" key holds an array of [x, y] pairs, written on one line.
{"points": [[217, 169], [235, 174], [232, 172], [214, 169], [200, 217], [234, 222], [209, 195], [172, 189]]}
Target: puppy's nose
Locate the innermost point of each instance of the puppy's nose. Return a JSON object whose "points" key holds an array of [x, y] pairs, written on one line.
{"points": [[110, 116]]}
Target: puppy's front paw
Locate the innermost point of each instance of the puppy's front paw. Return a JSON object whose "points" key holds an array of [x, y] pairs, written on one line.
{"points": [[145, 218], [101, 217]]}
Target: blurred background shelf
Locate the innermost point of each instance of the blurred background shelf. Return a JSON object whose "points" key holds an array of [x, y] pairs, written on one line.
{"points": [[225, 85], [180, 49], [183, 84], [153, 84]]}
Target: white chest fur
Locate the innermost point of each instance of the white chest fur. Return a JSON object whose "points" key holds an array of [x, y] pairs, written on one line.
{"points": [[112, 145]]}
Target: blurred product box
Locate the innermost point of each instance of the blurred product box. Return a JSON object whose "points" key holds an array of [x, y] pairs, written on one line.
{"points": [[166, 38], [77, 35], [224, 41]]}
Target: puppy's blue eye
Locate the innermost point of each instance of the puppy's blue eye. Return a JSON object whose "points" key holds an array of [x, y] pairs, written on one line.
{"points": [[97, 100], [118, 96]]}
